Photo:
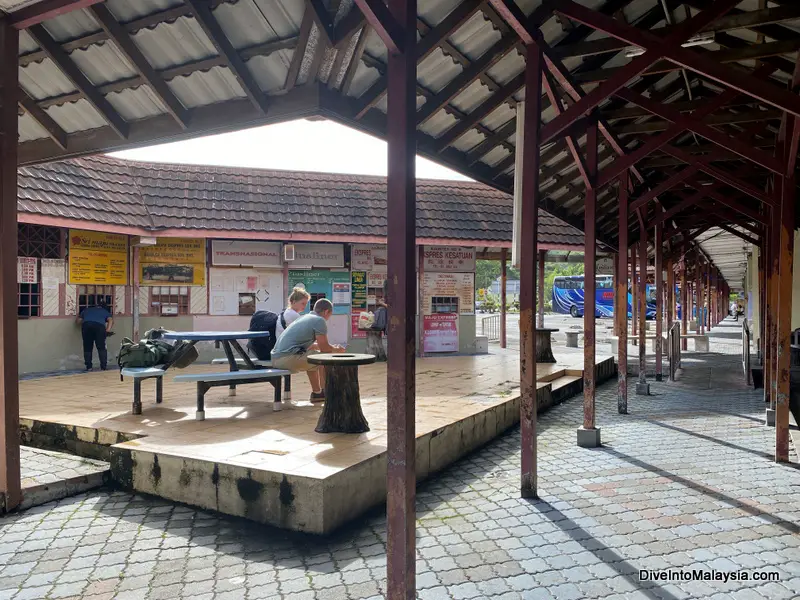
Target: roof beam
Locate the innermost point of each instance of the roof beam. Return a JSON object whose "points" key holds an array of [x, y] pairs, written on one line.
{"points": [[131, 51], [739, 234], [383, 22], [211, 27], [429, 42], [322, 19], [727, 118], [572, 144], [71, 70], [662, 187], [33, 14], [37, 113], [689, 202]]}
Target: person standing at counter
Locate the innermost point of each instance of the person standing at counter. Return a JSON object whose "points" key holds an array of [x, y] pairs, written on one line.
{"points": [[95, 321]]}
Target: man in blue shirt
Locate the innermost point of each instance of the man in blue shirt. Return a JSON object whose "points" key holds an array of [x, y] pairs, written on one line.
{"points": [[95, 322]]}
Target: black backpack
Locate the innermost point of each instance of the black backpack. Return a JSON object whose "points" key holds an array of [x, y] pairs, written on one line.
{"points": [[263, 320]]}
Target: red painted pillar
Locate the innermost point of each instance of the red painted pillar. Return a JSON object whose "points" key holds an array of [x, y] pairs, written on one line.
{"points": [[589, 434], [686, 298], [9, 380], [634, 293], [773, 291], [659, 282], [788, 191], [621, 310], [699, 295], [503, 299], [401, 250], [642, 387], [529, 216]]}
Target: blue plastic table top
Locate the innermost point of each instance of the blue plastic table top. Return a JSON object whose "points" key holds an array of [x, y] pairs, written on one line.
{"points": [[212, 336]]}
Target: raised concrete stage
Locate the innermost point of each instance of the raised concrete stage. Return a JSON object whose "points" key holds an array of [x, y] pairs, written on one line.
{"points": [[271, 467]]}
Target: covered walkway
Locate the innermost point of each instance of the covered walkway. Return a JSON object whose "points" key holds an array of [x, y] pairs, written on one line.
{"points": [[702, 493]]}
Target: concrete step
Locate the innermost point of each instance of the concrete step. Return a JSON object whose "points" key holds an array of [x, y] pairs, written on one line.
{"points": [[49, 475]]}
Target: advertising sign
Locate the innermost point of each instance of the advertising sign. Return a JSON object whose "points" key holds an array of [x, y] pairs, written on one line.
{"points": [[174, 260], [440, 333], [97, 258], [318, 255], [239, 253], [320, 284], [458, 285], [358, 300], [452, 259], [372, 258], [26, 270]]}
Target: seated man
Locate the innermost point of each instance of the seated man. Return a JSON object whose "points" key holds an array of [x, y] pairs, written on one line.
{"points": [[308, 334]]}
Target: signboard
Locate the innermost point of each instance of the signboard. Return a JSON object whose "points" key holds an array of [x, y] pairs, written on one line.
{"points": [[358, 301], [440, 333], [97, 258], [459, 285], [604, 266], [174, 260], [226, 285], [26, 270], [318, 255], [341, 292], [370, 258], [376, 280], [320, 284], [245, 254], [448, 259]]}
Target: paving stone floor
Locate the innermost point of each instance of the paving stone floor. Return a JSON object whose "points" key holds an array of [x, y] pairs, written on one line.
{"points": [[684, 481], [48, 476]]}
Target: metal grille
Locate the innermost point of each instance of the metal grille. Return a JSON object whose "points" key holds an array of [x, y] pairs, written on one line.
{"points": [[89, 295], [36, 241], [169, 300], [490, 328]]}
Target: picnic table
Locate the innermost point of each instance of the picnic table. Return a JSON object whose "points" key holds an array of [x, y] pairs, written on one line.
{"points": [[229, 340], [342, 410]]}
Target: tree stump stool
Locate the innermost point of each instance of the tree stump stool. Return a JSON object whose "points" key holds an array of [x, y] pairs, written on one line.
{"points": [[342, 410], [544, 347], [375, 345]]}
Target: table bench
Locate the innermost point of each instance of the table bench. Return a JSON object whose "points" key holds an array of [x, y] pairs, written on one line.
{"points": [[205, 381], [287, 381], [139, 374], [700, 341]]}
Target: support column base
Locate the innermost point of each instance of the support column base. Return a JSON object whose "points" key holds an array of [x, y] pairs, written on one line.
{"points": [[659, 377], [642, 389], [588, 438], [769, 417]]}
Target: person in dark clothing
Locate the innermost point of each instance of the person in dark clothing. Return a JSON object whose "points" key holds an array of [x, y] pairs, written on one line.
{"points": [[95, 322]]}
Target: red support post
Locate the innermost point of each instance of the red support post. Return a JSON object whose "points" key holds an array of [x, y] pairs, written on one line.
{"points": [[788, 191], [659, 282], [401, 249], [540, 290], [503, 299], [529, 216], [699, 296], [10, 481], [774, 298], [621, 310], [670, 293], [634, 293], [589, 434], [642, 387], [686, 298]]}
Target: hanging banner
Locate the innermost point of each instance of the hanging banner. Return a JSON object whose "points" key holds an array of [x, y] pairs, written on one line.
{"points": [[358, 302], [450, 259], [457, 285], [97, 258], [27, 271], [245, 254], [440, 333], [174, 260], [370, 258]]}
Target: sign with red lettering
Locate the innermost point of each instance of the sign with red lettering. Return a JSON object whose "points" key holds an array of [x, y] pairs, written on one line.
{"points": [[440, 333], [26, 270], [448, 259]]}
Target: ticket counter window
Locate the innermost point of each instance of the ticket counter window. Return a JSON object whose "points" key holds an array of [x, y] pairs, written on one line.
{"points": [[444, 304], [169, 301], [90, 295]]}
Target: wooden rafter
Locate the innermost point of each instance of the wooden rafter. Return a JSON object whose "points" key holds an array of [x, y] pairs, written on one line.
{"points": [[306, 25], [81, 82], [37, 12], [146, 71], [54, 130], [355, 60], [211, 27], [322, 19]]}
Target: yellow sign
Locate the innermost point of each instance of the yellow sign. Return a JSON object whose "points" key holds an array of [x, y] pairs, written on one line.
{"points": [[174, 260], [97, 258]]}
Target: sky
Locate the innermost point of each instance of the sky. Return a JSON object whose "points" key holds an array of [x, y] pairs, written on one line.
{"points": [[301, 145]]}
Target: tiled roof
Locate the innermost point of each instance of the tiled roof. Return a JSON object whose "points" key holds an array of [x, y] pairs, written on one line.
{"points": [[157, 196]]}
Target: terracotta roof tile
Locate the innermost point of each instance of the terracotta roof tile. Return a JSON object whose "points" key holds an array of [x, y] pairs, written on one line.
{"points": [[166, 196]]}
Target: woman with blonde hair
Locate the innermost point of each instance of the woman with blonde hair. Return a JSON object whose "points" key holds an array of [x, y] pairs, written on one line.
{"points": [[295, 306]]}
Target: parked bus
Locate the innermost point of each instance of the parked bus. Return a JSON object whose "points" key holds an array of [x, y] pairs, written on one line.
{"points": [[568, 296]]}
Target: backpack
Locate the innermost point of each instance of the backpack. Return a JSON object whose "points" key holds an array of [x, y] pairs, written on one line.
{"points": [[145, 353], [263, 320], [183, 354], [283, 319]]}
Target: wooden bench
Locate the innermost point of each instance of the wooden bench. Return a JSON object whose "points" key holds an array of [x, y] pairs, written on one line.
{"points": [[205, 381], [287, 381], [138, 374]]}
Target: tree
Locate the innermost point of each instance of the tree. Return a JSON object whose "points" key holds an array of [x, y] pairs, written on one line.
{"points": [[487, 271]]}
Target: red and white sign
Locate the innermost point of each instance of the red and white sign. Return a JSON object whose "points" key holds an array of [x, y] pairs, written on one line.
{"points": [[370, 258], [26, 270], [355, 332], [448, 259], [440, 333], [245, 254]]}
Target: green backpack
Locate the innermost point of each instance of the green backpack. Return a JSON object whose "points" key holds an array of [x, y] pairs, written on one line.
{"points": [[145, 353]]}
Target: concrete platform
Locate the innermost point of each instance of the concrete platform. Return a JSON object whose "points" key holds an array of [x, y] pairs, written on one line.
{"points": [[271, 467]]}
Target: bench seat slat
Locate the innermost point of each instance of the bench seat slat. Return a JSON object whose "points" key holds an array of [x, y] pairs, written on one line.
{"points": [[240, 361], [138, 372], [233, 375]]}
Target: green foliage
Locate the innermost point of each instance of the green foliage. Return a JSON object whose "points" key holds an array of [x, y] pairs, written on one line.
{"points": [[486, 271]]}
